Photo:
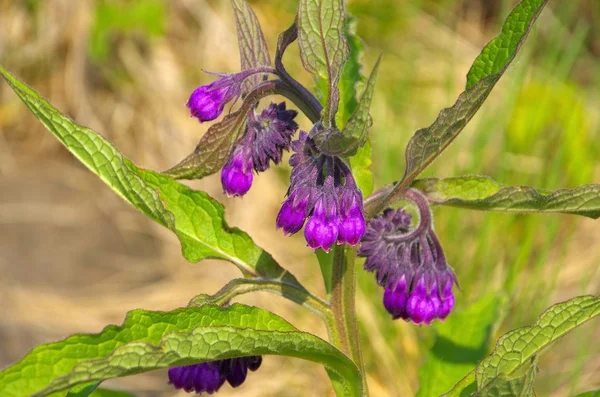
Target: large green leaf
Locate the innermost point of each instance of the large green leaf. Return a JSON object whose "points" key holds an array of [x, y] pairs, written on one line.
{"points": [[152, 340], [196, 218], [428, 143], [461, 342], [483, 193], [517, 347], [251, 40], [519, 384], [323, 46]]}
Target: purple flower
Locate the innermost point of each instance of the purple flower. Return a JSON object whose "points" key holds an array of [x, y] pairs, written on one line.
{"points": [[410, 264], [322, 190], [207, 102], [272, 130], [267, 135], [208, 377], [236, 175]]}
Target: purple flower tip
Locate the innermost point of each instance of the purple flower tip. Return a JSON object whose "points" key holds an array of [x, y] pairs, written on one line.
{"points": [[352, 223], [292, 215], [236, 175], [210, 376], [207, 102], [321, 230]]}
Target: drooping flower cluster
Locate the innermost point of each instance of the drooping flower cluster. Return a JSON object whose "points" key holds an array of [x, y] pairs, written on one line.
{"points": [[323, 190], [208, 377], [410, 264], [267, 135]]}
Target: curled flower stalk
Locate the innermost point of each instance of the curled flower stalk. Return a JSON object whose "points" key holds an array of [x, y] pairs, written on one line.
{"points": [[409, 263], [208, 377], [324, 195]]}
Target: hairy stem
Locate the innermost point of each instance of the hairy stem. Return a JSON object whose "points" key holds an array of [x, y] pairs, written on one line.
{"points": [[343, 306], [243, 286]]}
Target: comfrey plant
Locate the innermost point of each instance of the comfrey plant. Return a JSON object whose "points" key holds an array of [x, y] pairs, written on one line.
{"points": [[213, 341]]}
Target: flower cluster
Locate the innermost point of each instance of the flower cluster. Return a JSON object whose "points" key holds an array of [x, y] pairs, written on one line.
{"points": [[267, 135], [208, 377], [410, 265], [323, 190]]}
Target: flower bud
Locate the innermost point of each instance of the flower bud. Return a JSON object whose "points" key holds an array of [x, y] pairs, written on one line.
{"points": [[236, 175], [321, 230]]}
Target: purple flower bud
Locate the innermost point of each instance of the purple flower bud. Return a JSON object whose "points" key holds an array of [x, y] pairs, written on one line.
{"points": [[352, 222], [207, 102], [208, 377], [321, 230], [395, 299], [236, 175], [292, 214], [410, 264], [199, 378]]}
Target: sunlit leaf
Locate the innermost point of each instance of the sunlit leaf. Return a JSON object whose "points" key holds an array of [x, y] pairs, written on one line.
{"points": [[196, 218], [483, 193], [323, 46], [428, 143], [253, 46], [152, 340], [519, 384], [517, 347]]}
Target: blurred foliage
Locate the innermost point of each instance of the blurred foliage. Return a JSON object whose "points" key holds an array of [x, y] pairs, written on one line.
{"points": [[113, 18]]}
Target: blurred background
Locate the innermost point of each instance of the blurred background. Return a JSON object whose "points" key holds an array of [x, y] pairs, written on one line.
{"points": [[74, 257]]}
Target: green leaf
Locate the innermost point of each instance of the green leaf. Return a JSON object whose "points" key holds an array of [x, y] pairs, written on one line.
{"points": [[323, 46], [150, 340], [214, 148], [461, 342], [361, 169], [518, 385], [428, 143], [483, 193], [354, 135], [83, 390], [589, 394], [196, 218], [253, 46], [517, 347]]}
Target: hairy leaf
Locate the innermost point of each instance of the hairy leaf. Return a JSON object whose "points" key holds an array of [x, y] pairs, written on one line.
{"points": [[483, 193], [196, 218], [323, 46], [515, 348], [517, 385], [253, 46], [428, 143], [215, 146], [460, 343], [152, 340]]}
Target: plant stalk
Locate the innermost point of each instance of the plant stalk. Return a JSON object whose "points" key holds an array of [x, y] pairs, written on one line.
{"points": [[343, 306]]}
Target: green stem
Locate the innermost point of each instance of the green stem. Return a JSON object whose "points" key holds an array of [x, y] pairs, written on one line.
{"points": [[242, 286], [343, 299]]}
